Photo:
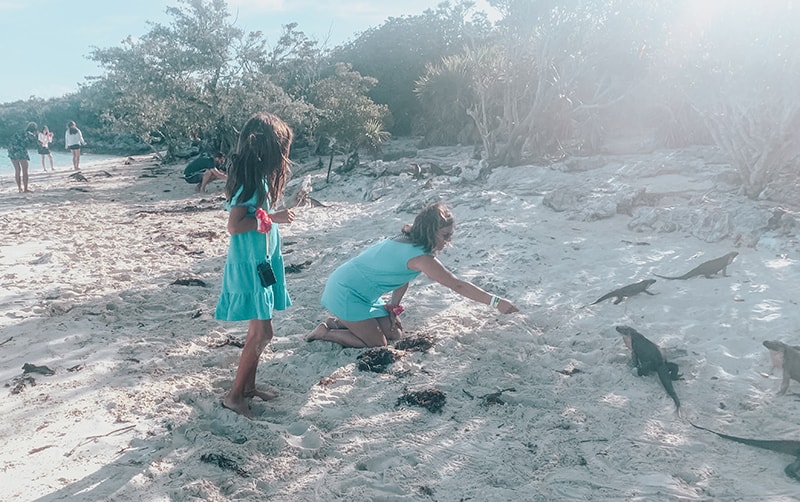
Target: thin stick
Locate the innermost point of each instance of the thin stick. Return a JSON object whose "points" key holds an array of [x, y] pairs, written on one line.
{"points": [[95, 438]]}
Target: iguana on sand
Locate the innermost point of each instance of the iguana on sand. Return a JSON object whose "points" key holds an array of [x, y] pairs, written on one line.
{"points": [[647, 357], [627, 291], [786, 357], [707, 269]]}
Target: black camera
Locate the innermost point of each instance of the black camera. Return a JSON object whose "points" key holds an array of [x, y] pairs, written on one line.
{"points": [[265, 274]]}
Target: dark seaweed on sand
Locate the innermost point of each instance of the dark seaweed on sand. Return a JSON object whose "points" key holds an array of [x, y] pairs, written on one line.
{"points": [[421, 343], [376, 360], [432, 400], [223, 462]]}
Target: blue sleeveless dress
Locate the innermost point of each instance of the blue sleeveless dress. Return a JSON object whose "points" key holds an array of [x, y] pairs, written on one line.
{"points": [[242, 297], [353, 291]]}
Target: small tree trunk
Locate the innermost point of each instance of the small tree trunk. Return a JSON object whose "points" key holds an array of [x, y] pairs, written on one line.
{"points": [[330, 164]]}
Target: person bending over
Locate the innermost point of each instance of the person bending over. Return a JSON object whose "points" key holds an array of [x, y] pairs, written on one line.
{"points": [[353, 291], [203, 170]]}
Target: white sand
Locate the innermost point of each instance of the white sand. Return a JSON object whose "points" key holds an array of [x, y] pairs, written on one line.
{"points": [[86, 274]]}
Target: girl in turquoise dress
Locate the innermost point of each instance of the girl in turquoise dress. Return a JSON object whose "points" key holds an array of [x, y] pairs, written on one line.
{"points": [[256, 180], [353, 291]]}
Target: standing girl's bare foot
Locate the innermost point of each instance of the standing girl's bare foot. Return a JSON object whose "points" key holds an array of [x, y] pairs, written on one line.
{"points": [[264, 395], [240, 407]]}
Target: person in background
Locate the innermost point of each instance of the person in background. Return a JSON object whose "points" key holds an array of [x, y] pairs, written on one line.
{"points": [[256, 179], [45, 138], [73, 141], [18, 153], [203, 170], [353, 291]]}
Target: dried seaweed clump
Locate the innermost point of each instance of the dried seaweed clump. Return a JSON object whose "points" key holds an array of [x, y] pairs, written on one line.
{"points": [[420, 343], [431, 399], [377, 360]]}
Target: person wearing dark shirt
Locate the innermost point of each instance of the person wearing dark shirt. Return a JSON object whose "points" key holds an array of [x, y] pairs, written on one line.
{"points": [[203, 170], [18, 153]]}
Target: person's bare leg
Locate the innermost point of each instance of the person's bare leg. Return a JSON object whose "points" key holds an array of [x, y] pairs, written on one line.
{"points": [[322, 329], [359, 334], [76, 158], [250, 389], [206, 180], [44, 167], [209, 176], [318, 333], [259, 333], [334, 323], [391, 327], [24, 165], [17, 172], [51, 161]]}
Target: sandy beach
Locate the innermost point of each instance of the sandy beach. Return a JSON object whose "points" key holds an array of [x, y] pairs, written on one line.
{"points": [[111, 283]]}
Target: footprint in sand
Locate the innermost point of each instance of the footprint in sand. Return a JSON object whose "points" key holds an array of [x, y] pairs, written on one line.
{"points": [[306, 440]]}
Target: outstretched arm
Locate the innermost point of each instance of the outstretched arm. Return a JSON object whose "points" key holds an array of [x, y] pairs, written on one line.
{"points": [[433, 268]]}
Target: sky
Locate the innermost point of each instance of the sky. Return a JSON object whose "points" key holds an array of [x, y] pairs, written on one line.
{"points": [[46, 42]]}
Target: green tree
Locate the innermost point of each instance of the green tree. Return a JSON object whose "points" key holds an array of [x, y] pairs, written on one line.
{"points": [[198, 72], [446, 92], [348, 118], [396, 54], [295, 62], [55, 113]]}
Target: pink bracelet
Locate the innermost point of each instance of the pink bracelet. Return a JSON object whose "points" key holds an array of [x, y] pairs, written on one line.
{"points": [[394, 309]]}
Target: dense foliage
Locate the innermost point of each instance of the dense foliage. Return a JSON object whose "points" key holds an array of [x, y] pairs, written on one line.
{"points": [[547, 79]]}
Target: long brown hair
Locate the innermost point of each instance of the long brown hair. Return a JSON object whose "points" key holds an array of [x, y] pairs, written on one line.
{"points": [[429, 221], [262, 153]]}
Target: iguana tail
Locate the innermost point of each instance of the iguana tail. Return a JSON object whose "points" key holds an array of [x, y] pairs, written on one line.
{"points": [[670, 278], [789, 446], [666, 380]]}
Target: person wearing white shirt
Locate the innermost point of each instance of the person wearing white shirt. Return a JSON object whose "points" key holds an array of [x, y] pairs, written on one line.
{"points": [[45, 138], [73, 140]]}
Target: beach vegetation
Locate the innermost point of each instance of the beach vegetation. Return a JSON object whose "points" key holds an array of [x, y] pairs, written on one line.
{"points": [[397, 52], [176, 77], [347, 118], [540, 82]]}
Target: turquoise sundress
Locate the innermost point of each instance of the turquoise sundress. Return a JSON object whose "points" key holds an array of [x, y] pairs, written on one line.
{"points": [[353, 291], [243, 297]]}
